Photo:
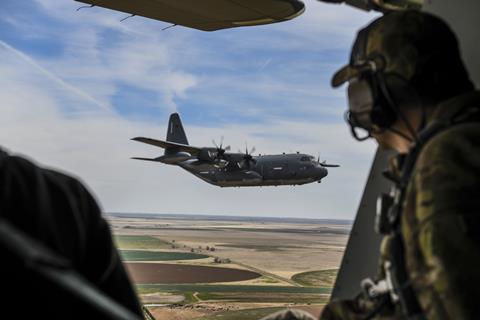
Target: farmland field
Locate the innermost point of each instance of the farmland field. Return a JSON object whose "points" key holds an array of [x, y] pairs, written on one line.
{"points": [[245, 314], [149, 288], [175, 273], [142, 255], [272, 297], [140, 242], [320, 278], [223, 268], [259, 247]]}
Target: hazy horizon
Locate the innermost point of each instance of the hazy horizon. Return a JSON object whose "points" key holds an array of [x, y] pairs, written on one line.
{"points": [[226, 217]]}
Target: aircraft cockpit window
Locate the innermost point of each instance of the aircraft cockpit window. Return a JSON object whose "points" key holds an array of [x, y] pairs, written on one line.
{"points": [[307, 159]]}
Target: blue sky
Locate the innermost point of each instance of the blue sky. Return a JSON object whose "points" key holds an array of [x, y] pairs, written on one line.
{"points": [[76, 85]]}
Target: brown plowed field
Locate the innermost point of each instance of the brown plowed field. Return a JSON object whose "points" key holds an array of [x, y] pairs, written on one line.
{"points": [[145, 273]]}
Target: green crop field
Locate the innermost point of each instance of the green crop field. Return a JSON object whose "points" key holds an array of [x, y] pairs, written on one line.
{"points": [[140, 242], [140, 255], [320, 278], [246, 314], [276, 297], [201, 288]]}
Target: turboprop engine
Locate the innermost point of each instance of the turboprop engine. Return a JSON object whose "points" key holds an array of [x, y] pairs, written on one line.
{"points": [[207, 154]]}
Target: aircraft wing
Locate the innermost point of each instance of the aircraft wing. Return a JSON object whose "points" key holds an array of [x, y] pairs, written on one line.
{"points": [[208, 15], [167, 144]]}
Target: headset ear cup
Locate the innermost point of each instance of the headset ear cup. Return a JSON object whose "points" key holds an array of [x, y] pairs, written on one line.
{"points": [[374, 99]]}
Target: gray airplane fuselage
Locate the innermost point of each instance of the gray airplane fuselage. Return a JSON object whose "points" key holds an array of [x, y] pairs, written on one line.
{"points": [[264, 170], [221, 168]]}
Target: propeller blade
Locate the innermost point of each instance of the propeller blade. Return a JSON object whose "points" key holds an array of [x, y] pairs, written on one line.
{"points": [[252, 150], [325, 164], [220, 150]]}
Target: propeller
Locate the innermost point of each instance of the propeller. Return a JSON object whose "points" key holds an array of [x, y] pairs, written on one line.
{"points": [[325, 164], [220, 150], [247, 157]]}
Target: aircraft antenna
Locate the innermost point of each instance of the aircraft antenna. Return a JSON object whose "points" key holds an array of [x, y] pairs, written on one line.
{"points": [[127, 17], [85, 7], [170, 26]]}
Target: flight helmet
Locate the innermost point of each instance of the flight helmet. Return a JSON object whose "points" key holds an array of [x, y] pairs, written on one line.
{"points": [[404, 58]]}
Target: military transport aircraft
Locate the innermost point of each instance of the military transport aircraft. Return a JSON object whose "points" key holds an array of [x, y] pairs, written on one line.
{"points": [[221, 168]]}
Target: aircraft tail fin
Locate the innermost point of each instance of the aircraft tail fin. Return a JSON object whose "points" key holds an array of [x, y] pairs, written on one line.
{"points": [[175, 131]]}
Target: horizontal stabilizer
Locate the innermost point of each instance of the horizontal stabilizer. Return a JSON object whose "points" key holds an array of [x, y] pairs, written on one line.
{"points": [[208, 15], [169, 145], [146, 159]]}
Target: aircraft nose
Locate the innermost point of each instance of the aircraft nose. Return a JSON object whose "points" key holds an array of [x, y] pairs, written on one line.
{"points": [[321, 172]]}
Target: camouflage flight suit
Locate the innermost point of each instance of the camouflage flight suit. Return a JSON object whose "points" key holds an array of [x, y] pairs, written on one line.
{"points": [[440, 224]]}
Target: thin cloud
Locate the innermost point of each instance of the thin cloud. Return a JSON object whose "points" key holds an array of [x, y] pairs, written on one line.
{"points": [[67, 86], [265, 64]]}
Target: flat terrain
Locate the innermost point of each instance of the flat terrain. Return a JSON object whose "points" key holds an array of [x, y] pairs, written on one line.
{"points": [[204, 288], [180, 273], [196, 267], [139, 242], [242, 314], [320, 278], [143, 255]]}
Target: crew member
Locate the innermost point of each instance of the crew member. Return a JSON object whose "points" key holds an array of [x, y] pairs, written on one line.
{"points": [[57, 212], [409, 90]]}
